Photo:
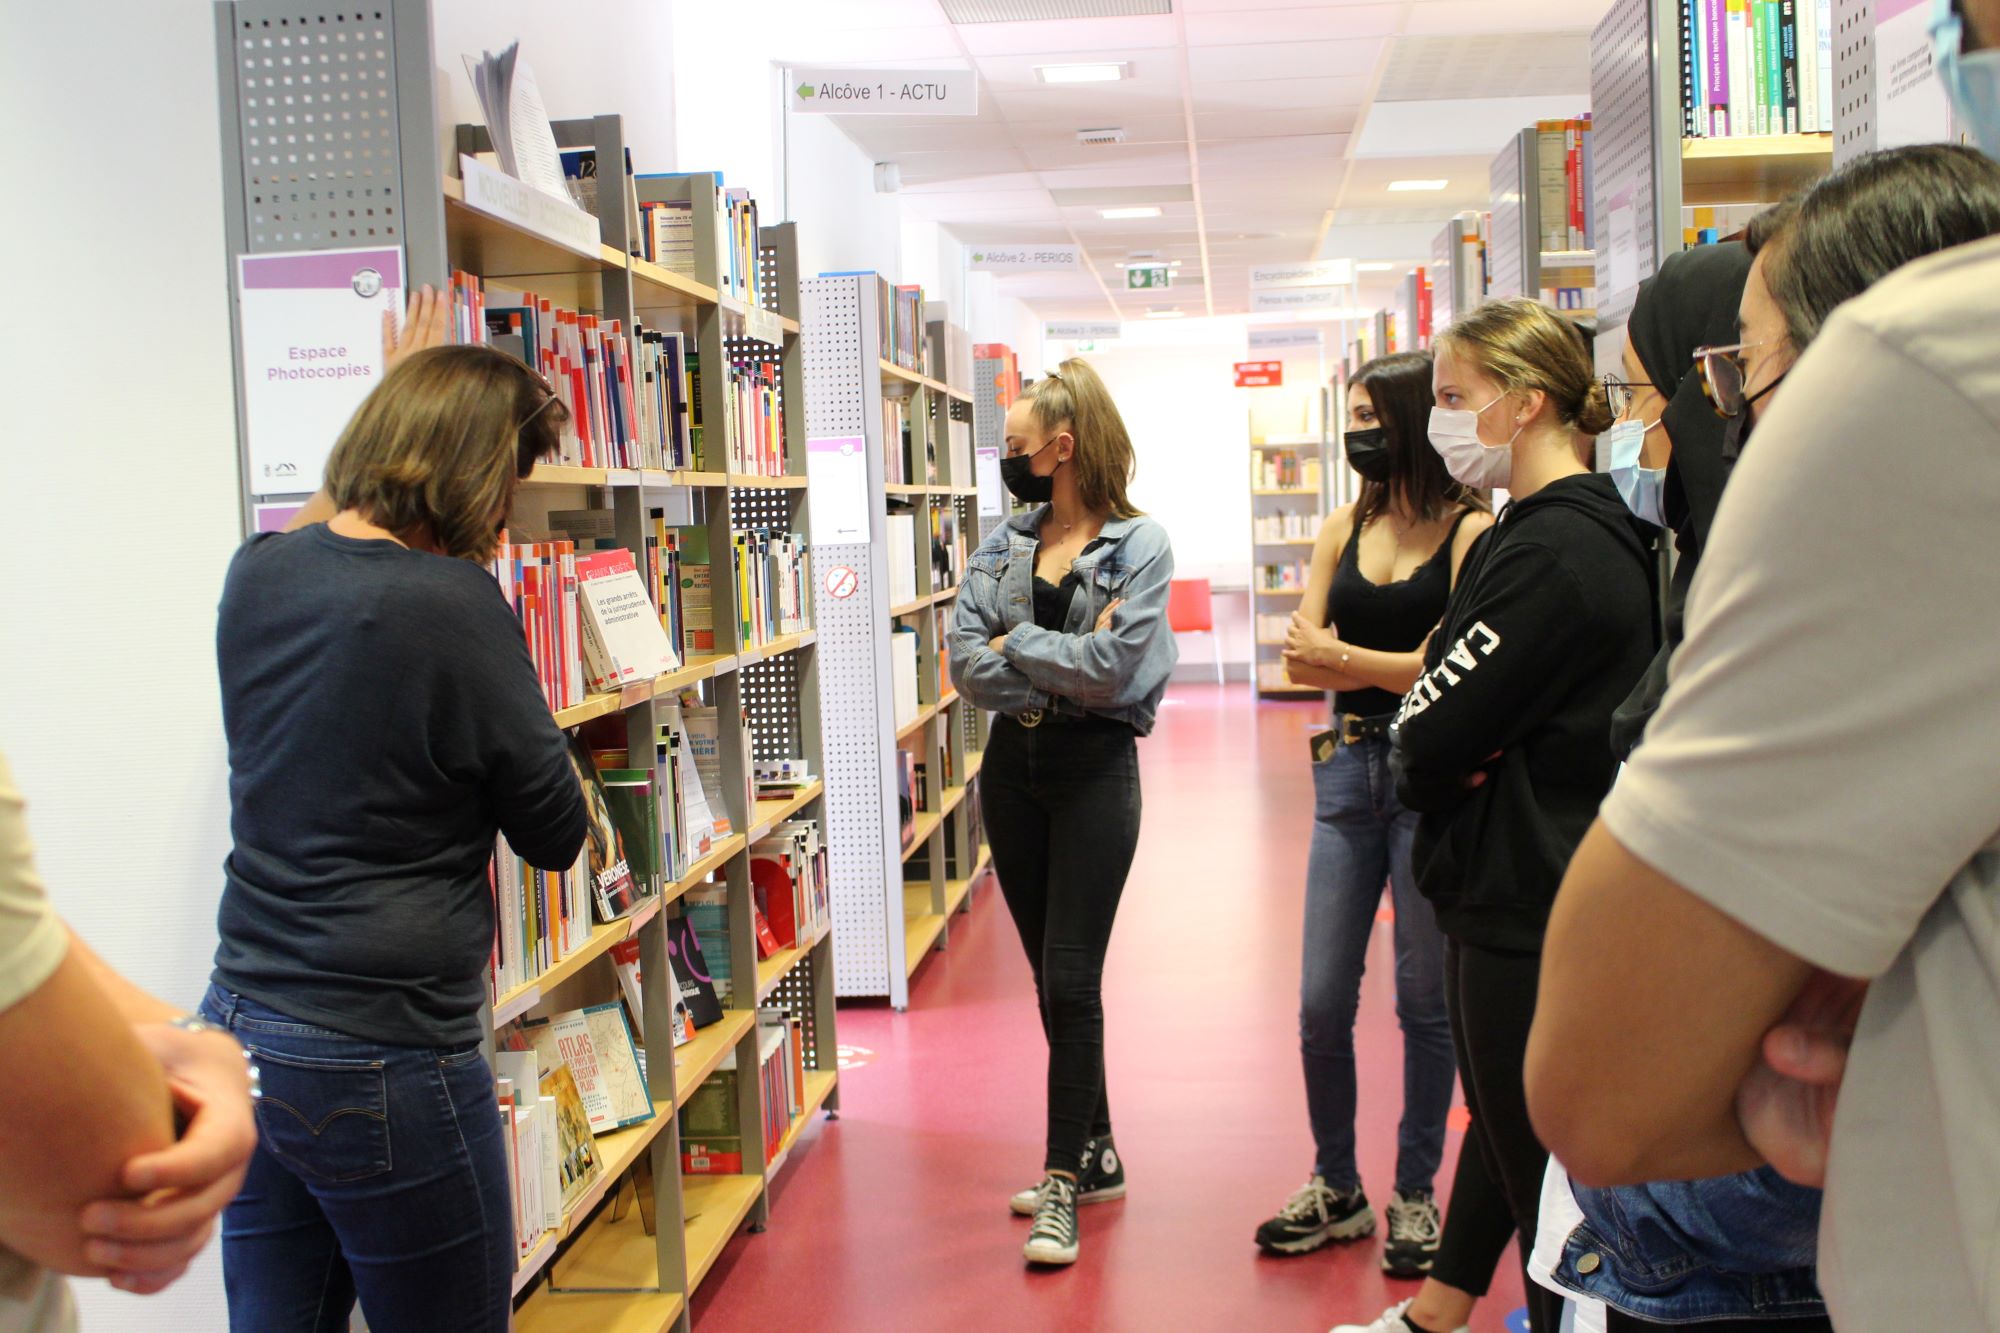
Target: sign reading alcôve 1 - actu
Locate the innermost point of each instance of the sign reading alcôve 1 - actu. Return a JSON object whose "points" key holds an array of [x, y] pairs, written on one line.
{"points": [[885, 92]]}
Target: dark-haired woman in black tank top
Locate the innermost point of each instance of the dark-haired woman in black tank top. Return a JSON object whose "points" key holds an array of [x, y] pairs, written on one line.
{"points": [[1381, 573]]}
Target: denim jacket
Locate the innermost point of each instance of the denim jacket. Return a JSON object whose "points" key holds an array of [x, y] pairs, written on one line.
{"points": [[1119, 673], [1734, 1247]]}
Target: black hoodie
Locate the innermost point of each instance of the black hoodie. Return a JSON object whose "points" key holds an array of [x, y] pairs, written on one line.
{"points": [[1550, 623]]}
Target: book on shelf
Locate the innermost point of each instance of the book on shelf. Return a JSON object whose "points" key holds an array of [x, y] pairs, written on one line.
{"points": [[688, 825], [773, 585], [706, 910], [901, 532], [597, 1047], [542, 916], [780, 777], [633, 800], [1756, 67], [612, 890], [896, 441], [1561, 151], [666, 235], [580, 176], [1284, 469], [517, 123], [711, 1129], [756, 412], [686, 583], [692, 970], [788, 878], [948, 553], [1286, 525], [906, 796], [539, 581], [625, 960], [703, 725], [624, 641], [578, 1164], [903, 674], [1282, 578]]}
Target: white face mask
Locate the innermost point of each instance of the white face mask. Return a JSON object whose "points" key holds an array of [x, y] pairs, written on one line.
{"points": [[1471, 461], [1644, 488]]}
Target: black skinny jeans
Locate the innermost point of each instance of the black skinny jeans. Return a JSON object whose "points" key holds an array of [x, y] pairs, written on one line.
{"points": [[1061, 804], [1617, 1321], [1497, 1191]]}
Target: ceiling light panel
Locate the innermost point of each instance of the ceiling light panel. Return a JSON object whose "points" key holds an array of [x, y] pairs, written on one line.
{"points": [[1252, 22], [1102, 72], [1037, 11], [1128, 213]]}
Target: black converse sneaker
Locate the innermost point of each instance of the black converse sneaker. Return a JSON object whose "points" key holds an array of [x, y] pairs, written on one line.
{"points": [[1414, 1228], [1315, 1215], [1100, 1178], [1052, 1240]]}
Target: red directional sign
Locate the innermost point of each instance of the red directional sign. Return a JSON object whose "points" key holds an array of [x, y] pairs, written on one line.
{"points": [[1259, 374]]}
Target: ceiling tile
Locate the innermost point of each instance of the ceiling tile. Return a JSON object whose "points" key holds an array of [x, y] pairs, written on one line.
{"points": [[1088, 105], [1272, 124], [1240, 24], [1284, 60], [1461, 65], [1050, 153], [870, 48], [1168, 181], [972, 163], [1458, 127], [1292, 148], [1056, 39], [1465, 16], [1279, 94]]}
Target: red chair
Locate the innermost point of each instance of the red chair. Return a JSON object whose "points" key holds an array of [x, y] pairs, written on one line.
{"points": [[1191, 610]]}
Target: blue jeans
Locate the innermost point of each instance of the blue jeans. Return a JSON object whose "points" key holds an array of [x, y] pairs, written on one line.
{"points": [[380, 1173], [1361, 839]]}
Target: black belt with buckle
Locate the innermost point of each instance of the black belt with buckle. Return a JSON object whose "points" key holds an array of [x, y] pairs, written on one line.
{"points": [[1354, 728], [1037, 717]]}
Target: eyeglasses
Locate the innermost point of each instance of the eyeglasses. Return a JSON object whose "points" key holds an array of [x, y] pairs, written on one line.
{"points": [[1621, 393], [1722, 375]]}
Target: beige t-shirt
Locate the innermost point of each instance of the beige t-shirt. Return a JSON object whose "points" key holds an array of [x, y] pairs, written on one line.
{"points": [[32, 944], [1826, 767]]}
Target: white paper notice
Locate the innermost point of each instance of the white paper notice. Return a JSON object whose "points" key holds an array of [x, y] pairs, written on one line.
{"points": [[536, 158], [837, 488], [1910, 101], [992, 491], [312, 349], [1621, 254]]}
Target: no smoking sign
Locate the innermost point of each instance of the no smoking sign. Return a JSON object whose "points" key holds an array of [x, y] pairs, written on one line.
{"points": [[842, 582]]}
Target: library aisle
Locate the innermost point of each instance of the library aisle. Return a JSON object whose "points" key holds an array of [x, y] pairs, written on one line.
{"points": [[907, 1194]]}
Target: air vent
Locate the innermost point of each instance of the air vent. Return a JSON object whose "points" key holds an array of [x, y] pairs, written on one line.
{"points": [[1028, 11], [1100, 136]]}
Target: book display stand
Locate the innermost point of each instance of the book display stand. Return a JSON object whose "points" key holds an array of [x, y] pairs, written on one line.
{"points": [[886, 397], [607, 1265]]}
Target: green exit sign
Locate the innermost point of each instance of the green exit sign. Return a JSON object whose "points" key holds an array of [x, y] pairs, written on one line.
{"points": [[1148, 278]]}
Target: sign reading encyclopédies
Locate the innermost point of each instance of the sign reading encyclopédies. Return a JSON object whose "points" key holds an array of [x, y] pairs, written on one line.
{"points": [[1314, 284], [1025, 258], [885, 92]]}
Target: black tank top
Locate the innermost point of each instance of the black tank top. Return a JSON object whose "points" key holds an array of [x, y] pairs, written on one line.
{"points": [[1388, 617]]}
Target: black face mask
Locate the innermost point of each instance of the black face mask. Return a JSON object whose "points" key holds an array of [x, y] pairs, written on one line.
{"points": [[1368, 453], [1736, 431], [1017, 472]]}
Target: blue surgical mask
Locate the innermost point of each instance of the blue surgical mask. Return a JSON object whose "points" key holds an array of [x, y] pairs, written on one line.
{"points": [[1971, 80], [1643, 488]]}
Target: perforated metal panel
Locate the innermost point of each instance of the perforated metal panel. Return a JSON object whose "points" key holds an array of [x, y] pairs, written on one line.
{"points": [[857, 728], [1626, 128], [1505, 236], [320, 157], [1853, 79], [795, 996], [771, 698], [989, 424]]}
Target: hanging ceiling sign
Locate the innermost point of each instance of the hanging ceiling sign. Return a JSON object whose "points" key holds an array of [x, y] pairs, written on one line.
{"points": [[1145, 277], [1260, 339], [885, 92], [1260, 374], [1311, 273], [1297, 300], [1025, 258], [1082, 330]]}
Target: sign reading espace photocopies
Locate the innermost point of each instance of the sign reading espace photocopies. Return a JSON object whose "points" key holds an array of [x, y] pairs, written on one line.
{"points": [[312, 350]]}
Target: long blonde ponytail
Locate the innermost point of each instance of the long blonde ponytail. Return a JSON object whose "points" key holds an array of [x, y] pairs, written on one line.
{"points": [[1073, 398]]}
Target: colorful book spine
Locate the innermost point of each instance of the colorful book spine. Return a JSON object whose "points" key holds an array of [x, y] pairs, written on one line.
{"points": [[1788, 57], [1715, 38]]}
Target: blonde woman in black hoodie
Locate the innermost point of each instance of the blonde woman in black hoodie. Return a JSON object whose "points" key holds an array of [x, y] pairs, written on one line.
{"points": [[1503, 743]]}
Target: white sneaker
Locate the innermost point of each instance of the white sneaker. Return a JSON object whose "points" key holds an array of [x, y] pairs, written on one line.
{"points": [[1053, 1238], [1391, 1321]]}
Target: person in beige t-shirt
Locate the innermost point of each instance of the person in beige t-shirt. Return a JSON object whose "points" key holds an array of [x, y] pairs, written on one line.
{"points": [[92, 1179]]}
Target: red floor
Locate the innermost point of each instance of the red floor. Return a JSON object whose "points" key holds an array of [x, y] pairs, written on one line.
{"points": [[895, 1216]]}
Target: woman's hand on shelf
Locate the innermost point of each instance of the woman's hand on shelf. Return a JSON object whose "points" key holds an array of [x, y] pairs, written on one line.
{"points": [[427, 325]]}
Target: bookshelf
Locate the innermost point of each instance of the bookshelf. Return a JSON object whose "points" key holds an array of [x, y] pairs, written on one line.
{"points": [[1522, 261], [599, 1268], [889, 377], [1288, 477]]}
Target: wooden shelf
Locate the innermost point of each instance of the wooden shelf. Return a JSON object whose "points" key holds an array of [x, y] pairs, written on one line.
{"points": [[706, 1051], [819, 1086], [691, 480], [1280, 592], [956, 891], [741, 311], [908, 608], [618, 1258], [1270, 643], [953, 798], [949, 594], [974, 761], [773, 970], [616, 1154], [552, 474], [947, 699], [892, 371], [520, 999], [1290, 541], [916, 724], [1751, 167], [1283, 490], [698, 668], [658, 288], [778, 647], [718, 1205], [708, 865], [768, 814], [922, 827], [507, 255], [757, 481], [904, 488], [921, 926]]}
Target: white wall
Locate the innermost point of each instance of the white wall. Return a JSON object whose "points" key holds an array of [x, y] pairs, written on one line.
{"points": [[119, 481]]}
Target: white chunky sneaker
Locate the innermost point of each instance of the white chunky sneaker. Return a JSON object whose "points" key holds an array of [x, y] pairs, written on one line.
{"points": [[1390, 1321]]}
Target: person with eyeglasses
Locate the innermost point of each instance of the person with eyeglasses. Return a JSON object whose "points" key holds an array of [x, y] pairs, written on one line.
{"points": [[384, 723], [1786, 910]]}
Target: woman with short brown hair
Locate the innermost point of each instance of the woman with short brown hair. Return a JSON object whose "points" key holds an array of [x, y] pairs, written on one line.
{"points": [[384, 724]]}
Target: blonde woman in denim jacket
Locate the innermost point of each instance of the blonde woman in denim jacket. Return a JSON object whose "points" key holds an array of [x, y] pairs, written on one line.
{"points": [[1061, 631]]}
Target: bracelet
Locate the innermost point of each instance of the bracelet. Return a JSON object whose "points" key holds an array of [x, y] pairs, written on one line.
{"points": [[197, 1024], [1343, 661]]}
